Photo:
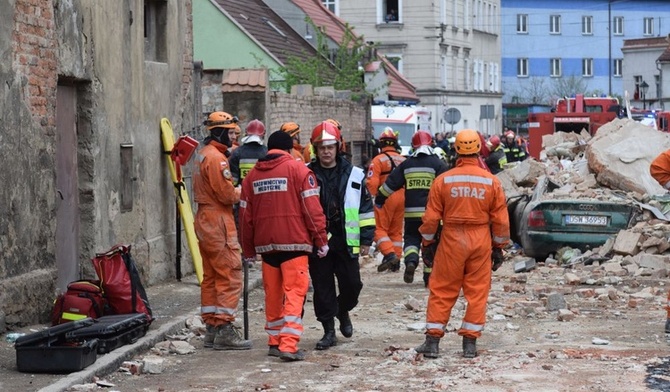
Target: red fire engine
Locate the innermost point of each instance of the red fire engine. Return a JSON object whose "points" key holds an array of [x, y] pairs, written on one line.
{"points": [[571, 115]]}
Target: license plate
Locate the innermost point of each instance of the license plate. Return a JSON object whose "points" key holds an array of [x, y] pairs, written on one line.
{"points": [[589, 220]]}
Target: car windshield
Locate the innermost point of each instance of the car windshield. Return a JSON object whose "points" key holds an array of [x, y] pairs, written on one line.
{"points": [[405, 131]]}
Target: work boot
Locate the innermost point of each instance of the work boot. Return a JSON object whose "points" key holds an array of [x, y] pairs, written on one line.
{"points": [[430, 348], [229, 338], [426, 278], [210, 333], [346, 327], [667, 326], [389, 261], [410, 267], [291, 357], [329, 339], [273, 351], [469, 347]]}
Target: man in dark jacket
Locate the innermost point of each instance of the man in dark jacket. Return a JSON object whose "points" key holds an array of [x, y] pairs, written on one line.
{"points": [[497, 159], [350, 223]]}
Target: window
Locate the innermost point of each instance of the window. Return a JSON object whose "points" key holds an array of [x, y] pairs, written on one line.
{"points": [[587, 67], [555, 24], [155, 30], [555, 70], [617, 25], [648, 26], [618, 66], [587, 25], [522, 24], [522, 67], [390, 10], [332, 5], [396, 60]]}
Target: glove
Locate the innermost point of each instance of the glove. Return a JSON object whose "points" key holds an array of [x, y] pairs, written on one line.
{"points": [[323, 251], [497, 258], [428, 251], [379, 201]]}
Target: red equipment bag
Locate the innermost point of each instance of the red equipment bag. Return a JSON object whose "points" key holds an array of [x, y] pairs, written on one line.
{"points": [[121, 282], [82, 299]]}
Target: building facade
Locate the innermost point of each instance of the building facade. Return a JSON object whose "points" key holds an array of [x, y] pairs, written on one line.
{"points": [[553, 49], [450, 50]]}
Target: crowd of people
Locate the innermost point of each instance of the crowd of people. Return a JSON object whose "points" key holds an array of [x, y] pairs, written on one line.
{"points": [[249, 193]]}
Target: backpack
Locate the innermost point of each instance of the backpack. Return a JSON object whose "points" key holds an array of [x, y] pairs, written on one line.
{"points": [[82, 299], [120, 281]]}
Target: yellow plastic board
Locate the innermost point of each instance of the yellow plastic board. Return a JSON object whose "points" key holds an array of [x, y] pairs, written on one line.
{"points": [[183, 199]]}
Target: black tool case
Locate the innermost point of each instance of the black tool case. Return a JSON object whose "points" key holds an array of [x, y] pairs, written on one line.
{"points": [[49, 351], [113, 331]]}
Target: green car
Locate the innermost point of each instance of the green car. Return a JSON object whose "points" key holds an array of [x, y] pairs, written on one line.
{"points": [[542, 225]]}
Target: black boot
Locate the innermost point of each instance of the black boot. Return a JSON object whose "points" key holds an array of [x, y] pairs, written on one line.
{"points": [[469, 347], [410, 267], [667, 326], [329, 339], [390, 261], [430, 348], [345, 324]]}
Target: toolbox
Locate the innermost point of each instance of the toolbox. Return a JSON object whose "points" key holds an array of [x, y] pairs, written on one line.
{"points": [[50, 351], [112, 331]]}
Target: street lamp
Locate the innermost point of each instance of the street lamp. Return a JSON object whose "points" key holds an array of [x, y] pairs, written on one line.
{"points": [[643, 90]]}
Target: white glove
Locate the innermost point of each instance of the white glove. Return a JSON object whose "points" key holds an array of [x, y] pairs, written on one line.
{"points": [[323, 251]]}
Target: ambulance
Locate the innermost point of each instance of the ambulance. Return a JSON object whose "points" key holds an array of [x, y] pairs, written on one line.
{"points": [[403, 119]]}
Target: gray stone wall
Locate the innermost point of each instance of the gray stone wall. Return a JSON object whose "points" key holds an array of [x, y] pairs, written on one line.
{"points": [[99, 48]]}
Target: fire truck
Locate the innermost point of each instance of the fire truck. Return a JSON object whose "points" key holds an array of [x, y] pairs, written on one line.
{"points": [[658, 120], [571, 115]]}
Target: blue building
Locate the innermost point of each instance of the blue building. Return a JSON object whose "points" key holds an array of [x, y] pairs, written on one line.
{"points": [[550, 48]]}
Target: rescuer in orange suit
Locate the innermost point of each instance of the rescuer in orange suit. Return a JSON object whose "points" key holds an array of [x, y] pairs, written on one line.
{"points": [[470, 202], [660, 171], [389, 218], [282, 219], [217, 237], [293, 129]]}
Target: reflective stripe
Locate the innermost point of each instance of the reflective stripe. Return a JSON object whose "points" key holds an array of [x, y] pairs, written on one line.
{"points": [[367, 215], [284, 248], [384, 239], [417, 214], [500, 240], [420, 170], [397, 243], [293, 319], [468, 178], [272, 332], [243, 204], [472, 327], [352, 204], [435, 326], [367, 222], [207, 309], [385, 190], [428, 237], [72, 316], [410, 250], [276, 323], [427, 270], [310, 192], [290, 331], [228, 311]]}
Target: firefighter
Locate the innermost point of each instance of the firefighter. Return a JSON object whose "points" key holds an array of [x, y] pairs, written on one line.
{"points": [[350, 223], [470, 203], [660, 171], [293, 129], [389, 219], [416, 175], [243, 159], [234, 135], [217, 237], [513, 151], [279, 180], [497, 159]]}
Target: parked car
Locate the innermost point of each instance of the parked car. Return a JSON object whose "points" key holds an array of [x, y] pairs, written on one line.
{"points": [[542, 225]]}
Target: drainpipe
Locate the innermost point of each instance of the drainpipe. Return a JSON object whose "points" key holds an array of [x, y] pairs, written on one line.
{"points": [[660, 85]]}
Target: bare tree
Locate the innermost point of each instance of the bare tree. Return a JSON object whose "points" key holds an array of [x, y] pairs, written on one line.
{"points": [[568, 86]]}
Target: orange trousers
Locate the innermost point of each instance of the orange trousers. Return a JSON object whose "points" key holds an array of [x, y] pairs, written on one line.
{"points": [[285, 290], [389, 222], [463, 260], [221, 265]]}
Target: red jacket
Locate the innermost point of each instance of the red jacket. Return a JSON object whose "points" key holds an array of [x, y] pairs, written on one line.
{"points": [[280, 209]]}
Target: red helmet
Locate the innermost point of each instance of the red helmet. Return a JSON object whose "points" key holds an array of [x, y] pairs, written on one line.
{"points": [[255, 127], [336, 123], [421, 138], [388, 134], [509, 133], [325, 133], [495, 141]]}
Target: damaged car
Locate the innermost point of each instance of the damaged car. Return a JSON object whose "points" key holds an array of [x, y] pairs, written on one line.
{"points": [[543, 223]]}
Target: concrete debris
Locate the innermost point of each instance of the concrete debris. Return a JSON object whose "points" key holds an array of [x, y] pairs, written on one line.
{"points": [[523, 264], [153, 364], [600, 342]]}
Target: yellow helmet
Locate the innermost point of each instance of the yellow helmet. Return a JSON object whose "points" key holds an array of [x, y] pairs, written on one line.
{"points": [[468, 142]]}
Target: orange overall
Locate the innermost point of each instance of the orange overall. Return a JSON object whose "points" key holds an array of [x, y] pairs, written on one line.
{"points": [[660, 171], [217, 237], [471, 204], [390, 218]]}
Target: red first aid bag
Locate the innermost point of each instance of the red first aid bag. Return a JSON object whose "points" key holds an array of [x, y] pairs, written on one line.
{"points": [[82, 299], [121, 282]]}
